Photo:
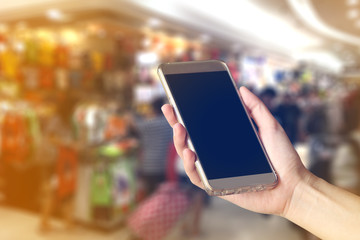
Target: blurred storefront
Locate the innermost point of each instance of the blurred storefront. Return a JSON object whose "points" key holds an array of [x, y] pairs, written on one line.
{"points": [[64, 90]]}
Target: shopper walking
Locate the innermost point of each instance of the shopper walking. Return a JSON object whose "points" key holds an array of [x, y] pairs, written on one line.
{"points": [[155, 136]]}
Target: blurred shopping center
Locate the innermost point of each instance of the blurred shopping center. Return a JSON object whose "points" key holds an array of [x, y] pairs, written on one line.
{"points": [[78, 80]]}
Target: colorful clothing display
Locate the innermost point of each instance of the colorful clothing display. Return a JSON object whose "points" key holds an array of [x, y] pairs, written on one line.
{"points": [[19, 133]]}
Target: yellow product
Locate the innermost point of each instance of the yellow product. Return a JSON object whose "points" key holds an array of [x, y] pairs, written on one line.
{"points": [[31, 52], [46, 56], [97, 59], [10, 64]]}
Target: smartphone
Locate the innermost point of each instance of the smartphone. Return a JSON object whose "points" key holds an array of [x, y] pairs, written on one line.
{"points": [[230, 156]]}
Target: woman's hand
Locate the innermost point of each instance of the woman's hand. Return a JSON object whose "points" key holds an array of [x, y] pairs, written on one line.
{"points": [[283, 156]]}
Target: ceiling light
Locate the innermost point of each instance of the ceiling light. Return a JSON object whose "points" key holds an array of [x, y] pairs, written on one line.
{"points": [[154, 22], [55, 14], [353, 13], [352, 2]]}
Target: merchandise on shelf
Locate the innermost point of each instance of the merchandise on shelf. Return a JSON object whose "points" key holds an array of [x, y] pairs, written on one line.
{"points": [[19, 132]]}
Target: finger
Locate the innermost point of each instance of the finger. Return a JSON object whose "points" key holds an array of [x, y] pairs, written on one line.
{"points": [[271, 133], [179, 138], [190, 169], [169, 114], [258, 111]]}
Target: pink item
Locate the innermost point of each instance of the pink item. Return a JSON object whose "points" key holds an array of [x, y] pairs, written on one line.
{"points": [[157, 215]]}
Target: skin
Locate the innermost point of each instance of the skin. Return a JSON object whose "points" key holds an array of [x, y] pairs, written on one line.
{"points": [[321, 208]]}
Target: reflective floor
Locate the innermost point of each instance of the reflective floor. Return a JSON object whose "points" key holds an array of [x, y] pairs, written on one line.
{"points": [[222, 220]]}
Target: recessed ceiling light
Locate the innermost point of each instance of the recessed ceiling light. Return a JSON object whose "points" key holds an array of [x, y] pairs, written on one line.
{"points": [[55, 14], [353, 13], [154, 22], [352, 2]]}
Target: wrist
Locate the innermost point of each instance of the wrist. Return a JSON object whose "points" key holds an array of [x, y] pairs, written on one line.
{"points": [[323, 209], [305, 183]]}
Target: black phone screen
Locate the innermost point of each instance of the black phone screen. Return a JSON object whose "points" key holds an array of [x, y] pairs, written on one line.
{"points": [[217, 124]]}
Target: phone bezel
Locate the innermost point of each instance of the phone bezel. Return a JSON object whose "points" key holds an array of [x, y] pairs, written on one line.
{"points": [[221, 186]]}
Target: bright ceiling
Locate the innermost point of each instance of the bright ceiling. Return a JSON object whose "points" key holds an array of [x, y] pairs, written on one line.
{"points": [[290, 27], [326, 33]]}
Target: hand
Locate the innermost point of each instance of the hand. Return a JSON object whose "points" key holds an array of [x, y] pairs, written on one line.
{"points": [[282, 154]]}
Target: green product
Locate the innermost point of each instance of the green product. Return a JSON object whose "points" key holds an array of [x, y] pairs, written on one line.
{"points": [[101, 186], [110, 151]]}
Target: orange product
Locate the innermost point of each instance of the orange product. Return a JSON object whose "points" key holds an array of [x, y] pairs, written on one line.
{"points": [[116, 126], [2, 38], [15, 144], [67, 163], [61, 56], [46, 78]]}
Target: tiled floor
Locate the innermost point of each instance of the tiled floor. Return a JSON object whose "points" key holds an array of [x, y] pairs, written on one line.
{"points": [[221, 220]]}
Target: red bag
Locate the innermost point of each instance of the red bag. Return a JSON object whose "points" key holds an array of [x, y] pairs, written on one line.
{"points": [[156, 216]]}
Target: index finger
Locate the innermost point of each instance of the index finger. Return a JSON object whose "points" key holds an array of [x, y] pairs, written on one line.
{"points": [[169, 114]]}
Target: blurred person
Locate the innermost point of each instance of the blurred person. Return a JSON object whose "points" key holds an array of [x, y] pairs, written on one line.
{"points": [[60, 185], [288, 114], [155, 138], [268, 96], [323, 209], [321, 146], [308, 101], [346, 166]]}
